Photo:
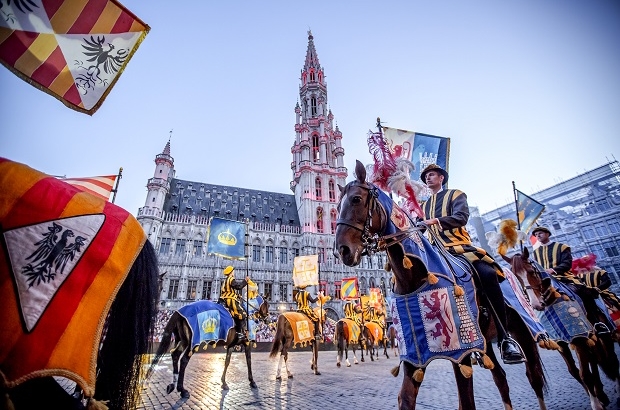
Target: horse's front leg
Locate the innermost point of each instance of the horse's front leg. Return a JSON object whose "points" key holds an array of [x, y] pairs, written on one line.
{"points": [[499, 377], [226, 363], [315, 357], [248, 362], [410, 388], [465, 387]]}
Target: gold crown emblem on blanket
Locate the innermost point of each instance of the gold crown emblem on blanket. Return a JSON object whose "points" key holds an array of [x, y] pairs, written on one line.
{"points": [[227, 238], [209, 325]]}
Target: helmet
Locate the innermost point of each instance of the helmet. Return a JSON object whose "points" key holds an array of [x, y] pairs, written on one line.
{"points": [[228, 270]]}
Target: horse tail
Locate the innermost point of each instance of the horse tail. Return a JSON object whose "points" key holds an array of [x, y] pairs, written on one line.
{"points": [[166, 340], [129, 334], [339, 337], [276, 346]]}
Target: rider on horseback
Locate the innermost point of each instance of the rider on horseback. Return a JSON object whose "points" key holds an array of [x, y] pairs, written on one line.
{"points": [[351, 311], [447, 212], [556, 258], [230, 298], [303, 299]]}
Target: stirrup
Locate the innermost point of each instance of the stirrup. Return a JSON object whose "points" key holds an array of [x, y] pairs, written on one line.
{"points": [[601, 329], [476, 358], [511, 357]]}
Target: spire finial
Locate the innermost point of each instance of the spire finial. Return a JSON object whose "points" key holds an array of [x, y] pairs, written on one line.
{"points": [[310, 34]]}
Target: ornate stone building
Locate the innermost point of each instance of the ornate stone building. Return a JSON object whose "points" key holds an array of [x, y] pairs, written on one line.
{"points": [[177, 212]]}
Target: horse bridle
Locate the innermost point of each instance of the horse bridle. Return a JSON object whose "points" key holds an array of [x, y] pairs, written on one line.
{"points": [[370, 241]]}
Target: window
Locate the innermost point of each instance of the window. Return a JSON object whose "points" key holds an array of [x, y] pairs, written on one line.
{"points": [[610, 249], [312, 76], [313, 99], [283, 292], [164, 247], [614, 226], [197, 248], [598, 251], [192, 284], [283, 254], [323, 287], [321, 255], [315, 148], [603, 205], [180, 249], [267, 292], [601, 229], [207, 287], [296, 251], [588, 233], [317, 189], [333, 218], [556, 226], [256, 253], [269, 254], [337, 290], [319, 220], [332, 191], [153, 199], [173, 289], [363, 286]]}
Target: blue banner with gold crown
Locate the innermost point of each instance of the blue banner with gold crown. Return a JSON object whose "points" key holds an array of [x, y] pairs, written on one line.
{"points": [[226, 238]]}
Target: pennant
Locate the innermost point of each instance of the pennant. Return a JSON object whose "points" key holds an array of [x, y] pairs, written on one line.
{"points": [[101, 187], [74, 50], [349, 289], [226, 238], [67, 254], [375, 298], [306, 270], [528, 210]]}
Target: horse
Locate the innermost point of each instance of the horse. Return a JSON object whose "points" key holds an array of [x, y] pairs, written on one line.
{"points": [[391, 335], [374, 338], [98, 327], [591, 352], [348, 333], [205, 323], [285, 338], [366, 225]]}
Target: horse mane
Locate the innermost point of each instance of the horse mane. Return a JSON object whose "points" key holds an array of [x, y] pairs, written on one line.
{"points": [[517, 262], [129, 333]]}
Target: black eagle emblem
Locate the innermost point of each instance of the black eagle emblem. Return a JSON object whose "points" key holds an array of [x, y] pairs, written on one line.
{"points": [[100, 56], [52, 255]]}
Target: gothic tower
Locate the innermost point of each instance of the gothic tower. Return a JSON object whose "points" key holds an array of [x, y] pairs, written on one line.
{"points": [[318, 163], [151, 215]]}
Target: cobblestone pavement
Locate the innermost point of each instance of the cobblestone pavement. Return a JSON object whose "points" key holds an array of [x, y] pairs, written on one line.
{"points": [[367, 385]]}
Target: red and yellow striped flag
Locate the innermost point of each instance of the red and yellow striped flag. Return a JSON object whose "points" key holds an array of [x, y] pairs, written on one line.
{"points": [[74, 50], [101, 187], [67, 252]]}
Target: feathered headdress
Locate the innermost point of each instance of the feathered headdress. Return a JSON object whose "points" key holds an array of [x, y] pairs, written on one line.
{"points": [[506, 238], [584, 264], [394, 174]]}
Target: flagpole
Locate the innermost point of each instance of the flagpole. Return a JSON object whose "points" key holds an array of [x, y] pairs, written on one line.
{"points": [[514, 193], [318, 265], [118, 179], [247, 274]]}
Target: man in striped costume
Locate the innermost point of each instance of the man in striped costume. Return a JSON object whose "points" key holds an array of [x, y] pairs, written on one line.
{"points": [[557, 259], [303, 299], [446, 213], [230, 299]]}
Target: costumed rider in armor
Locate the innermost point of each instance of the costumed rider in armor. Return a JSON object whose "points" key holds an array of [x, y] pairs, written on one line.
{"points": [[351, 311], [303, 299], [446, 213], [230, 298], [557, 259]]}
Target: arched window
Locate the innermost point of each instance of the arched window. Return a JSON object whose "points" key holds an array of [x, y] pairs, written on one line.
{"points": [[332, 191], [311, 76], [319, 220], [333, 218], [318, 190], [315, 147], [313, 100]]}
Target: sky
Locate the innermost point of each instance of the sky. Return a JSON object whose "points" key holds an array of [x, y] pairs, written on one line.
{"points": [[527, 91]]}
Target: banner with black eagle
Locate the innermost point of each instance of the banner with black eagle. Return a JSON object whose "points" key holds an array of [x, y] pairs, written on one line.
{"points": [[74, 50]]}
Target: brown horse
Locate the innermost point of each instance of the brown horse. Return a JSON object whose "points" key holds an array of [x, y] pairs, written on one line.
{"points": [[374, 339], [591, 352], [391, 335], [362, 228], [107, 289], [186, 342], [345, 337]]}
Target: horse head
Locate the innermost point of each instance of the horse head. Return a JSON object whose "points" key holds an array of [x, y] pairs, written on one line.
{"points": [[259, 308], [529, 274], [365, 226]]}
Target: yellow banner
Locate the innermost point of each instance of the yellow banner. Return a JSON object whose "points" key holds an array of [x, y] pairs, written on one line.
{"points": [[306, 270]]}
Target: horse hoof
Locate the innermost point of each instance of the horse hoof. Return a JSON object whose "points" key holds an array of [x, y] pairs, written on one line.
{"points": [[170, 388], [337, 364], [253, 385], [224, 386], [185, 394], [278, 377], [317, 373], [290, 376], [311, 367], [349, 364]]}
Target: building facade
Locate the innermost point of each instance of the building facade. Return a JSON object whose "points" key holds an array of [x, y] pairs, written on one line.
{"points": [[582, 212], [177, 212]]}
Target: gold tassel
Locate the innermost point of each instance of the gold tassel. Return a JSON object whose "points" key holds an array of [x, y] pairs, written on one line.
{"points": [[8, 403], [387, 267], [554, 345], [395, 370], [458, 291], [191, 352], [593, 337], [591, 343], [407, 262], [543, 344], [565, 297], [432, 279], [466, 371], [254, 345], [487, 362], [97, 404], [418, 375]]}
